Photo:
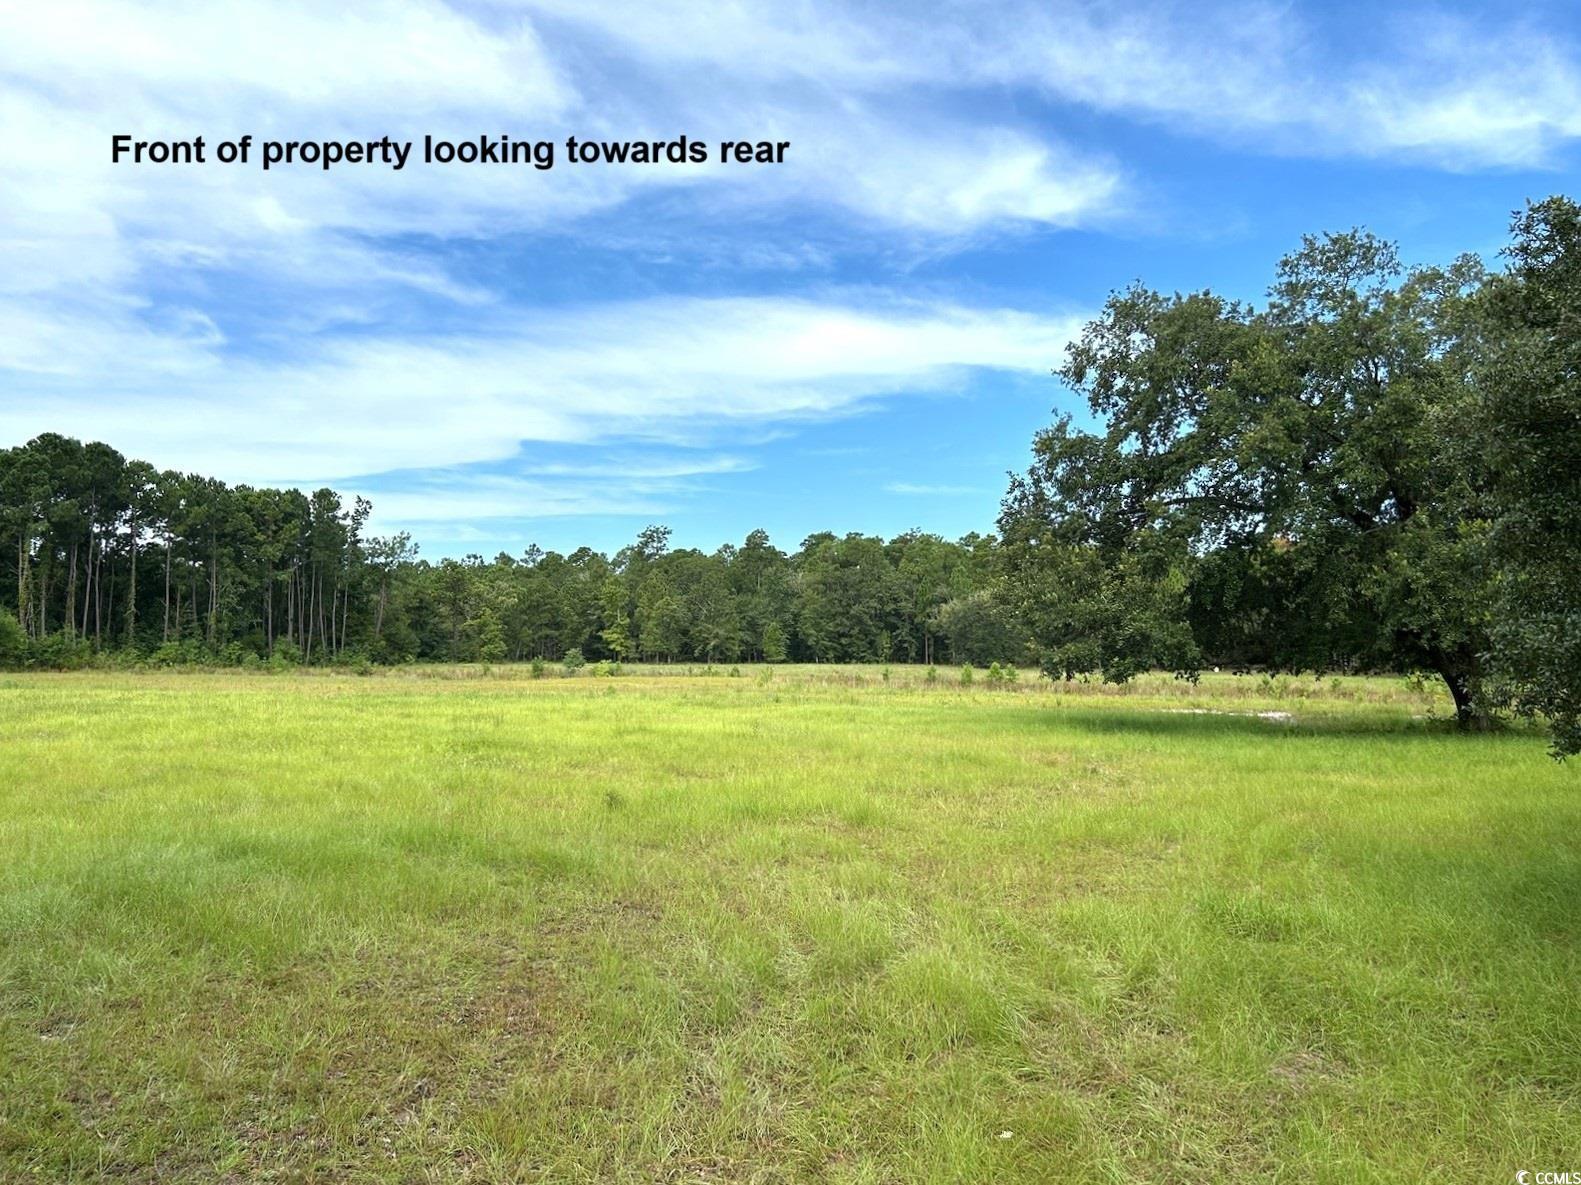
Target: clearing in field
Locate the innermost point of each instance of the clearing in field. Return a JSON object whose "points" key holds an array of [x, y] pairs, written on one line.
{"points": [[821, 925]]}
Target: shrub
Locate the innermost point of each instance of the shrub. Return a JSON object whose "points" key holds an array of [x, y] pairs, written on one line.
{"points": [[966, 674], [1002, 675], [573, 660], [62, 652], [13, 643], [933, 674], [538, 667], [166, 654], [286, 656]]}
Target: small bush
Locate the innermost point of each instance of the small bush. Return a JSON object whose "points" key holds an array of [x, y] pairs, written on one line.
{"points": [[573, 660], [966, 674], [62, 652], [932, 676], [190, 653], [538, 667], [1001, 676]]}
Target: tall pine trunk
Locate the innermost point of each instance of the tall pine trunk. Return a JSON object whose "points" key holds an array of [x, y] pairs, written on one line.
{"points": [[131, 595]]}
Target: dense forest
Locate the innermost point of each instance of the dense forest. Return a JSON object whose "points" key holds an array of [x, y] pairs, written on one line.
{"points": [[110, 554], [1378, 469]]}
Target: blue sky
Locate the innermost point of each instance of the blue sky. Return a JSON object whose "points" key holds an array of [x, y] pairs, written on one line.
{"points": [[858, 339]]}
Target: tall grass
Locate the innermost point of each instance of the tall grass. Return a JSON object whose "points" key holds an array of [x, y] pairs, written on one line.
{"points": [[450, 925]]}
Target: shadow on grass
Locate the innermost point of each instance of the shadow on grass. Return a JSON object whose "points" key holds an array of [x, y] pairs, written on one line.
{"points": [[1282, 725]]}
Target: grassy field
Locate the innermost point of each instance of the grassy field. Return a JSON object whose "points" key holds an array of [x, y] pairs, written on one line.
{"points": [[456, 925]]}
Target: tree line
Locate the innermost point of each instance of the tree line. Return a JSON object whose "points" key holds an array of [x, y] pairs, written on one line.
{"points": [[1379, 469], [109, 555]]}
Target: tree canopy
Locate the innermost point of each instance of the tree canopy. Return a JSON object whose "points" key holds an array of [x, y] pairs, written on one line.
{"points": [[109, 555], [1309, 485]]}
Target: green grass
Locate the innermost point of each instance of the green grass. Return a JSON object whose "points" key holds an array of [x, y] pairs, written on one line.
{"points": [[456, 925]]}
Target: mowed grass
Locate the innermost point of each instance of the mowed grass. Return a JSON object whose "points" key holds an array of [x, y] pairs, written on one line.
{"points": [[465, 926]]}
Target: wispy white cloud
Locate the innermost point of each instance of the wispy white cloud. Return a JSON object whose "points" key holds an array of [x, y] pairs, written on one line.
{"points": [[454, 500], [1429, 87], [1456, 90], [611, 481], [659, 370], [925, 490]]}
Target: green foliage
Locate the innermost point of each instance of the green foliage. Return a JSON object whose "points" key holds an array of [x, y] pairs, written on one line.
{"points": [[1531, 412], [285, 654], [538, 667], [851, 599], [189, 653], [980, 626], [932, 675], [966, 675], [61, 651], [486, 637], [574, 660], [180, 558], [617, 634], [13, 643], [1002, 676], [775, 647], [1294, 482]]}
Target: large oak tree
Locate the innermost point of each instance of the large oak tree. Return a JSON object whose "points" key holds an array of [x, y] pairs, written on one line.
{"points": [[1293, 481]]}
